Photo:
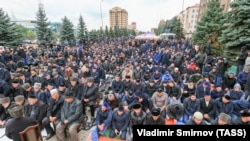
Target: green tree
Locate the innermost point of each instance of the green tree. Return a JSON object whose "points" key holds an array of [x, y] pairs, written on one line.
{"points": [[111, 32], [93, 35], [177, 28], [8, 31], [107, 34], [237, 30], [43, 32], [67, 31], [81, 34], [161, 29], [209, 27], [30, 35]]}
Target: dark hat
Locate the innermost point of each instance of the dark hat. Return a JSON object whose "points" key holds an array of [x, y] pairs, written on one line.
{"points": [[218, 86], [227, 97], [69, 94], [175, 110], [127, 76], [15, 81], [130, 93], [105, 104], [138, 80], [138, 93], [207, 93], [220, 58], [120, 108], [159, 89], [156, 111], [32, 95], [61, 85], [16, 111], [19, 98], [90, 79], [136, 106], [51, 83], [4, 100], [245, 113]]}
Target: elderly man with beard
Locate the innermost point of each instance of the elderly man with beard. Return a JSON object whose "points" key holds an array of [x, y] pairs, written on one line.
{"points": [[189, 88]]}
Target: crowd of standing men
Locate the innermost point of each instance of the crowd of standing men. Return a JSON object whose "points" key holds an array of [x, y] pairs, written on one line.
{"points": [[155, 82]]}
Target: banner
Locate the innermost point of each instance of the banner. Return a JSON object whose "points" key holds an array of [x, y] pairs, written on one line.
{"points": [[198, 132]]}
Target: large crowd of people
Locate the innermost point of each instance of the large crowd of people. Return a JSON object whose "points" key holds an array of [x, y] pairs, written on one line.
{"points": [[156, 82]]}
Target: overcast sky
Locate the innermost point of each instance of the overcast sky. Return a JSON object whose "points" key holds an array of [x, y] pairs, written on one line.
{"points": [[146, 13]]}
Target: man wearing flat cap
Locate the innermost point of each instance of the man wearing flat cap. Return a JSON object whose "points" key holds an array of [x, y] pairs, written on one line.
{"points": [[71, 117], [4, 115], [18, 122], [16, 89], [244, 118], [36, 109], [89, 96], [155, 118]]}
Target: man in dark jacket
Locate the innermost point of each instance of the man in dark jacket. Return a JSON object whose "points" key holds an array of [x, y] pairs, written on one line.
{"points": [[120, 122], [4, 115], [5, 88], [155, 118], [71, 117], [137, 117], [244, 118], [35, 109], [53, 112], [89, 97], [117, 85], [208, 107], [18, 123]]}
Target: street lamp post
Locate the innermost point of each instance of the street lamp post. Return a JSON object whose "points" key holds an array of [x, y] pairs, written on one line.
{"points": [[101, 12]]}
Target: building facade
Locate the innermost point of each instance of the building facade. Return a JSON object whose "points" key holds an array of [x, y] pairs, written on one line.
{"points": [[189, 18], [118, 17], [225, 4]]}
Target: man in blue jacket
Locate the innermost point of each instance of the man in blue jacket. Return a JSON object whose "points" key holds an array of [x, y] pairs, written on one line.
{"points": [[103, 121], [120, 123]]}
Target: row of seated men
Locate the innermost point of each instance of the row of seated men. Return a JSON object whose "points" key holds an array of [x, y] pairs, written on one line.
{"points": [[66, 111]]}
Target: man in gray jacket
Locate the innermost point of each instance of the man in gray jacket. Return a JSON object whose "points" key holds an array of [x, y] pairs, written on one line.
{"points": [[71, 117]]}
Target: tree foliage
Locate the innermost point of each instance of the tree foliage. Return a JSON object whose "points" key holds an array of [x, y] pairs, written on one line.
{"points": [[236, 33], [43, 31], [67, 32], [81, 30], [209, 27], [9, 35]]}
